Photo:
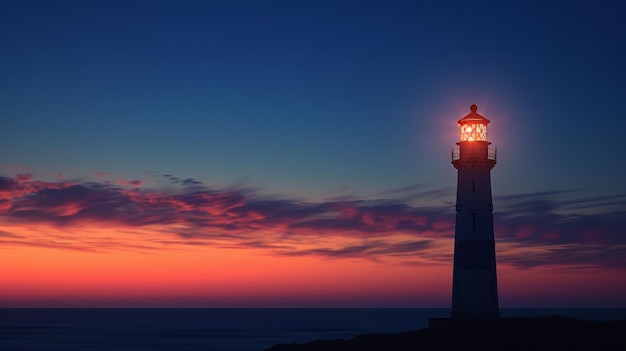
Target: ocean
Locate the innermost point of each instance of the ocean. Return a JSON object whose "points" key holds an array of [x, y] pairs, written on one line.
{"points": [[227, 329]]}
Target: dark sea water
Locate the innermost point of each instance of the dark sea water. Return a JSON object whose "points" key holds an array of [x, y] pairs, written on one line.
{"points": [[218, 329]]}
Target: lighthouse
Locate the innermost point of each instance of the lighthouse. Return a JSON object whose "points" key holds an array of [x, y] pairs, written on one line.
{"points": [[474, 278]]}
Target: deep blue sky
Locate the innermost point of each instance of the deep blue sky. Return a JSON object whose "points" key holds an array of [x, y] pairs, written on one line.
{"points": [[315, 98]]}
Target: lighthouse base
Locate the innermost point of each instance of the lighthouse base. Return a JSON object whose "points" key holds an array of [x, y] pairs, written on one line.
{"points": [[473, 316], [455, 323]]}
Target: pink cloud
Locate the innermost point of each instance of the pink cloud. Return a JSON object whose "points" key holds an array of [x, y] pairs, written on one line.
{"points": [[200, 215], [22, 177], [525, 232]]}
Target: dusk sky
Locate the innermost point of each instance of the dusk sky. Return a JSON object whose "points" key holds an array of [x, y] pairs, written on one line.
{"points": [[297, 153]]}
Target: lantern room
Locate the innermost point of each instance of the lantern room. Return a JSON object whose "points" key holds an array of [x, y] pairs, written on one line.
{"points": [[473, 127]]}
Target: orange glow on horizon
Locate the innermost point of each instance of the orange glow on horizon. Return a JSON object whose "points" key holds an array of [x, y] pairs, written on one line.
{"points": [[42, 277], [213, 277]]}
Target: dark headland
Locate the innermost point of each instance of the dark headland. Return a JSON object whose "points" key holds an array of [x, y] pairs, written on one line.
{"points": [[510, 333]]}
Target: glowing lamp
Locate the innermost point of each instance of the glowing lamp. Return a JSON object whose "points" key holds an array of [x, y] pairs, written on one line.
{"points": [[473, 127]]}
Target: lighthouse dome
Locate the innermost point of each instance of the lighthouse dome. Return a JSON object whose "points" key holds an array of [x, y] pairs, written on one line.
{"points": [[474, 117]]}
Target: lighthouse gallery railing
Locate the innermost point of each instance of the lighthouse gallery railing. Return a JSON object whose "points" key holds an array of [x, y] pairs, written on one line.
{"points": [[491, 153]]}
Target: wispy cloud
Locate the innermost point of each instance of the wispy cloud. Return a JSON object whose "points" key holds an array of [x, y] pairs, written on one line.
{"points": [[131, 183], [402, 224]]}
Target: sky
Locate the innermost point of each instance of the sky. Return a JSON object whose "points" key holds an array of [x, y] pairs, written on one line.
{"points": [[297, 153]]}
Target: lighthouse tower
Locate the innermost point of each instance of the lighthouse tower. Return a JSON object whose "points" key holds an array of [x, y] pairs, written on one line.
{"points": [[474, 284]]}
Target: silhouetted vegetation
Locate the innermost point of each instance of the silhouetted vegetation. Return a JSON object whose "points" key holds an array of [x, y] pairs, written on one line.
{"points": [[514, 333]]}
